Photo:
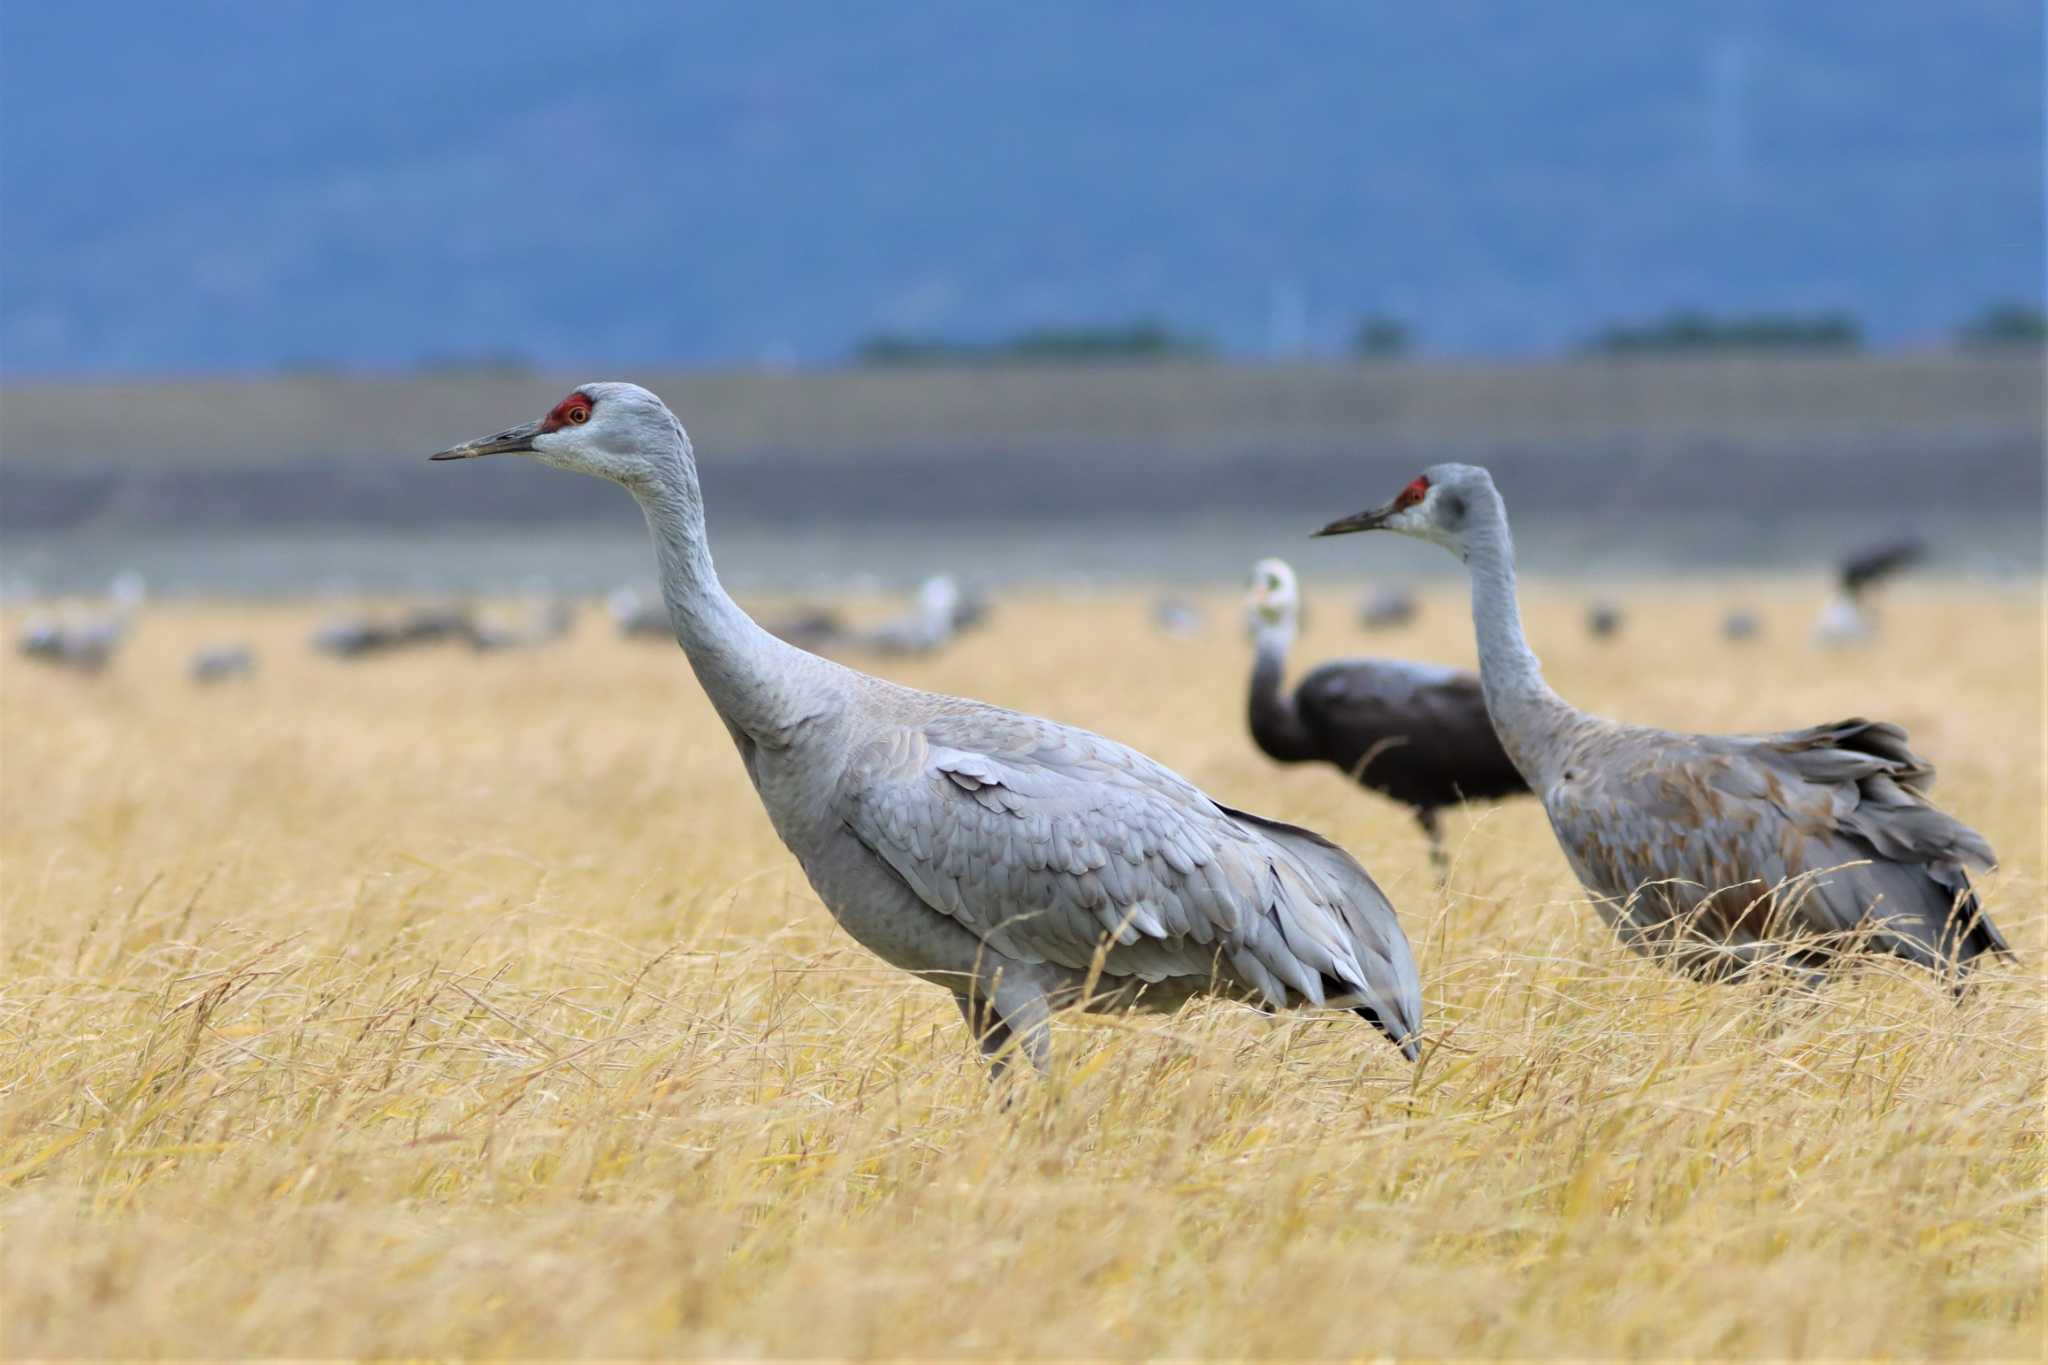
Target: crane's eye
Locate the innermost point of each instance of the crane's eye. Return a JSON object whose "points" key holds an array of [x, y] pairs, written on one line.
{"points": [[577, 415], [1413, 493]]}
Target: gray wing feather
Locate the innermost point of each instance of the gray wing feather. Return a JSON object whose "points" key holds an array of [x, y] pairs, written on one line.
{"points": [[1050, 843], [1825, 829]]}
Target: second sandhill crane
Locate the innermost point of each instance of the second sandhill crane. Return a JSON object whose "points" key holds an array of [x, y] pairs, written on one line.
{"points": [[1415, 732], [1712, 852], [1019, 863]]}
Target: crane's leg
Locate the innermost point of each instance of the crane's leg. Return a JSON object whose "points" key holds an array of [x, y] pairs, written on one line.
{"points": [[988, 1028], [1011, 1013], [1438, 859]]}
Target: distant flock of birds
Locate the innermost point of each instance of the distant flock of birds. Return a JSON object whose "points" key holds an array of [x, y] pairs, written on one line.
{"points": [[84, 640], [1027, 866]]}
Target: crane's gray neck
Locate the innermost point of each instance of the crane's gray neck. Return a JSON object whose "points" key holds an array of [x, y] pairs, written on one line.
{"points": [[1526, 713], [1276, 723], [753, 679]]}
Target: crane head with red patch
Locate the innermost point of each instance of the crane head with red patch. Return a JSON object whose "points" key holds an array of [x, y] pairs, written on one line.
{"points": [[1391, 517], [1446, 503], [614, 430], [573, 411]]}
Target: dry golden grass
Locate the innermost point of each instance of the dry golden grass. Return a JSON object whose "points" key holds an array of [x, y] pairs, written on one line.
{"points": [[443, 1004]]}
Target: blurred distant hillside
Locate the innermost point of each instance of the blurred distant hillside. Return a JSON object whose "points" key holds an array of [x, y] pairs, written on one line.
{"points": [[307, 186], [1021, 471]]}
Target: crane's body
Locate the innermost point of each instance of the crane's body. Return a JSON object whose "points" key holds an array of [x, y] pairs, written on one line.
{"points": [[1712, 851], [1021, 864]]}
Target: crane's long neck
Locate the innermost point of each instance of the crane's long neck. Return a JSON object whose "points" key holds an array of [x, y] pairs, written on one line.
{"points": [[758, 683], [1528, 716], [1276, 723]]}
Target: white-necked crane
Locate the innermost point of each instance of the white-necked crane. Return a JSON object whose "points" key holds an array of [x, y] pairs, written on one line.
{"points": [[1846, 619], [1416, 733]]}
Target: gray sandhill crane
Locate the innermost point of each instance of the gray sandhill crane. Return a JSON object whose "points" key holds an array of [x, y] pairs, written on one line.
{"points": [[636, 615], [1021, 864], [85, 641], [352, 637], [218, 663], [1386, 607], [1741, 624], [1415, 732], [355, 637], [86, 645], [1710, 850], [1847, 619], [547, 619], [939, 612], [806, 628], [1178, 617], [436, 622], [1604, 618]]}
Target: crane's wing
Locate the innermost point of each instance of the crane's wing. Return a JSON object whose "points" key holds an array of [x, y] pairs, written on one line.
{"points": [[1825, 828], [1049, 843]]}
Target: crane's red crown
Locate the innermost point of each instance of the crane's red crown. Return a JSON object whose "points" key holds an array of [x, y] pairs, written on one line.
{"points": [[1413, 493], [572, 411]]}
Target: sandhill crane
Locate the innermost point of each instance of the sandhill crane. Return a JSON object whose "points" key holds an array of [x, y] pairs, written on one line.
{"points": [[354, 637], [1415, 732], [1707, 850], [1386, 607], [217, 663], [1603, 618], [86, 645], [1846, 618], [1178, 617], [547, 619], [938, 613], [81, 641], [435, 622], [635, 615], [806, 628], [1019, 863]]}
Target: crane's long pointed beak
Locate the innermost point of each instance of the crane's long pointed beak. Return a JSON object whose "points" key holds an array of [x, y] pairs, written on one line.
{"points": [[1371, 520], [514, 441]]}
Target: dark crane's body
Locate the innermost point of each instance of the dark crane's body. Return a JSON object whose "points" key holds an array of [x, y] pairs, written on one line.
{"points": [[1414, 732]]}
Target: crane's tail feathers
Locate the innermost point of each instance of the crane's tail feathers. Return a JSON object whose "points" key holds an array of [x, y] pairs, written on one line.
{"points": [[1390, 991]]}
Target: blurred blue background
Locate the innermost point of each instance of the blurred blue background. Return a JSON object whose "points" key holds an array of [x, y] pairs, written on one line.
{"points": [[249, 187], [1136, 291]]}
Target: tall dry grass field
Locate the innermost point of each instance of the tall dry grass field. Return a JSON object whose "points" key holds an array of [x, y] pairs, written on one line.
{"points": [[445, 1004]]}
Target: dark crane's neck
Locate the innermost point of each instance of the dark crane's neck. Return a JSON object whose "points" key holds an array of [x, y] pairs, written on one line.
{"points": [[1276, 721]]}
